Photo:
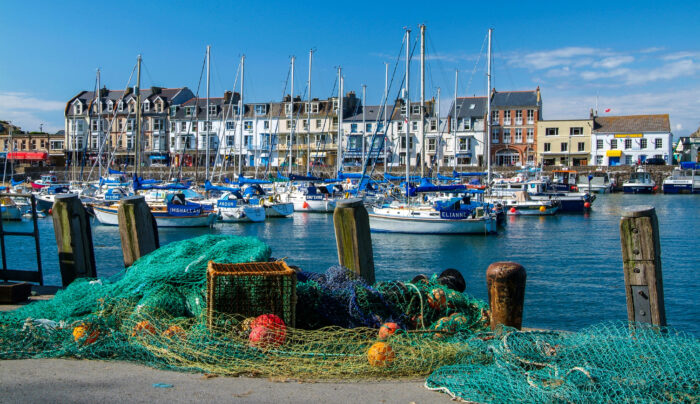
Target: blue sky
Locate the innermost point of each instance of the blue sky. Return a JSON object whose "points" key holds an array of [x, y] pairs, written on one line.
{"points": [[641, 57]]}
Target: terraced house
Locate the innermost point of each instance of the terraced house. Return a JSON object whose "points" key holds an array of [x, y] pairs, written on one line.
{"points": [[104, 124], [514, 116], [565, 142], [631, 139]]}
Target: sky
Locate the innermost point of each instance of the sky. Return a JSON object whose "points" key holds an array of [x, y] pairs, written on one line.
{"points": [[629, 57]]}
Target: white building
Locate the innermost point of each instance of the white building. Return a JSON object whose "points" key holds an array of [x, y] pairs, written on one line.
{"points": [[631, 139]]}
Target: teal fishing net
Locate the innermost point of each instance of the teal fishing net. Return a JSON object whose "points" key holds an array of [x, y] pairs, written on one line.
{"points": [[610, 362]]}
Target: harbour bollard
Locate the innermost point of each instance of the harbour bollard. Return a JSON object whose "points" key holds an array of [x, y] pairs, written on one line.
{"points": [[506, 287], [71, 225], [641, 260], [353, 238], [137, 229]]}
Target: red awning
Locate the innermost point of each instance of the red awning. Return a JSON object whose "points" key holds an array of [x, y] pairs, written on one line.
{"points": [[28, 156]]}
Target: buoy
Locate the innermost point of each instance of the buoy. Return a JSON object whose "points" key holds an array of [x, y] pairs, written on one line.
{"points": [[174, 331], [542, 209], [143, 327], [437, 299], [587, 205], [50, 211], [380, 354], [387, 330], [80, 331], [512, 210], [268, 330]]}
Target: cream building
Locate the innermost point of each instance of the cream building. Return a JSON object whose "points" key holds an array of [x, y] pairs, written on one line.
{"points": [[565, 142]]}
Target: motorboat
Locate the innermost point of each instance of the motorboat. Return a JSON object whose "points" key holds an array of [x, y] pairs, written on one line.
{"points": [[596, 182], [9, 209], [684, 179], [640, 182]]}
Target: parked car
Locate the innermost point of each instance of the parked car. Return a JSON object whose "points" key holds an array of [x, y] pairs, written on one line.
{"points": [[655, 161]]}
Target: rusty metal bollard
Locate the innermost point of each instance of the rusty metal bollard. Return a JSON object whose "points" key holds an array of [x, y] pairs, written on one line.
{"points": [[506, 287]]}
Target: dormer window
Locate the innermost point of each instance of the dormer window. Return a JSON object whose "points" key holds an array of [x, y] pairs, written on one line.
{"points": [[159, 106], [110, 106], [260, 109], [288, 108], [403, 110], [415, 109], [189, 111], [314, 108], [146, 106], [120, 108], [212, 109], [132, 107], [77, 108], [335, 105]]}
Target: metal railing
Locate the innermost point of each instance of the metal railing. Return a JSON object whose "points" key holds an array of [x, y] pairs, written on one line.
{"points": [[16, 274]]}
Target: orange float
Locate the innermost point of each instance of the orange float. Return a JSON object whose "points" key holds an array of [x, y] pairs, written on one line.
{"points": [[437, 299], [143, 327], [380, 354], [387, 330]]}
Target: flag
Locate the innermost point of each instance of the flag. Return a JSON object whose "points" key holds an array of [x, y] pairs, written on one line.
{"points": [[607, 110], [305, 205]]}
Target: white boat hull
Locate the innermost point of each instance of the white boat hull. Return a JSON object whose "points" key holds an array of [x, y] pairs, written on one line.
{"points": [[279, 209], [304, 205], [108, 216], [399, 224], [242, 214]]}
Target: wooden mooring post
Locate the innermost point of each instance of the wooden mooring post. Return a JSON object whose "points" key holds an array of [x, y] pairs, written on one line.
{"points": [[71, 224], [353, 238], [641, 260], [506, 285], [137, 229]]}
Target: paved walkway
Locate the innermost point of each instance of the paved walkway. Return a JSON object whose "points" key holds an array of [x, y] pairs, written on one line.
{"points": [[88, 381]]}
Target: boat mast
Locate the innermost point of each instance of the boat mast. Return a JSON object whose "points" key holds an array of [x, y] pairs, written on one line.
{"points": [[291, 119], [99, 125], [386, 95], [206, 120], [488, 113], [339, 114], [407, 120], [241, 111], [4, 170], [422, 98], [454, 124], [364, 125], [308, 117], [439, 133], [137, 143]]}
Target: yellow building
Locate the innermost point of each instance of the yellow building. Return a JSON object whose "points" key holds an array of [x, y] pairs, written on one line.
{"points": [[565, 142]]}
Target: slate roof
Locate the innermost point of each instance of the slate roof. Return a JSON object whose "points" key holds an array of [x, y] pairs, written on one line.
{"points": [[465, 109], [632, 124], [515, 99], [373, 113], [87, 97]]}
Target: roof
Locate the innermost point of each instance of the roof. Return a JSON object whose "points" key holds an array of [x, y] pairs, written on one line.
{"points": [[469, 107], [168, 95], [515, 99], [372, 113], [632, 123]]}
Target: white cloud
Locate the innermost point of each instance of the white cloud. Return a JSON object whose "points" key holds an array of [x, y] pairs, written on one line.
{"points": [[679, 126], [29, 112], [569, 56], [682, 55], [596, 75], [614, 61], [669, 71]]}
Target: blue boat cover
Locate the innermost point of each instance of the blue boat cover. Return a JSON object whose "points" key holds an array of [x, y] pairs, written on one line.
{"points": [[208, 186]]}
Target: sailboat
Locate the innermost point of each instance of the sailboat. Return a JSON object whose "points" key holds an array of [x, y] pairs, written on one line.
{"points": [[455, 215]]}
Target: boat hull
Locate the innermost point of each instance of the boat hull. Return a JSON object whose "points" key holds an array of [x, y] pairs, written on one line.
{"points": [[392, 224], [680, 188], [108, 216], [638, 189], [533, 210], [280, 209], [242, 214], [312, 205]]}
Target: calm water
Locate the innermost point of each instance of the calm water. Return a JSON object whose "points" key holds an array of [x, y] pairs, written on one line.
{"points": [[573, 262]]}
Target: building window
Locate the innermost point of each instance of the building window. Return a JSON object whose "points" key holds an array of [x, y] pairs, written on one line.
{"points": [[159, 107], [399, 126], [146, 106], [599, 160], [189, 111], [248, 125], [206, 126], [335, 105], [495, 136], [518, 135], [230, 141], [157, 124], [260, 109], [414, 125], [288, 108], [318, 124], [183, 126], [551, 132], [415, 109], [628, 159], [120, 107], [230, 125], [212, 110], [506, 136], [518, 117], [564, 147], [94, 124], [463, 144], [599, 144], [581, 146], [530, 116], [576, 131], [132, 107], [77, 108], [353, 128], [368, 127], [433, 125], [466, 124], [613, 144], [247, 140], [530, 135], [266, 124], [658, 143], [432, 142], [314, 108], [130, 125], [494, 117], [547, 147], [506, 118], [643, 143], [628, 144]]}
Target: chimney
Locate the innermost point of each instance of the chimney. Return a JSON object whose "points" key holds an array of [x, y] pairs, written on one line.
{"points": [[227, 97], [104, 92], [128, 91], [155, 90], [591, 115], [539, 96]]}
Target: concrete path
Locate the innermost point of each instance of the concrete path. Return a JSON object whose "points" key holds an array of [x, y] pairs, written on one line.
{"points": [[88, 381]]}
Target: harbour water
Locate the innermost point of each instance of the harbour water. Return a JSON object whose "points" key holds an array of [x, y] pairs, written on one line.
{"points": [[573, 262]]}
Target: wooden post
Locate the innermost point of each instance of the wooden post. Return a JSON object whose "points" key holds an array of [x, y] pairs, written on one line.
{"points": [[506, 286], [353, 238], [641, 260], [71, 224], [137, 229]]}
